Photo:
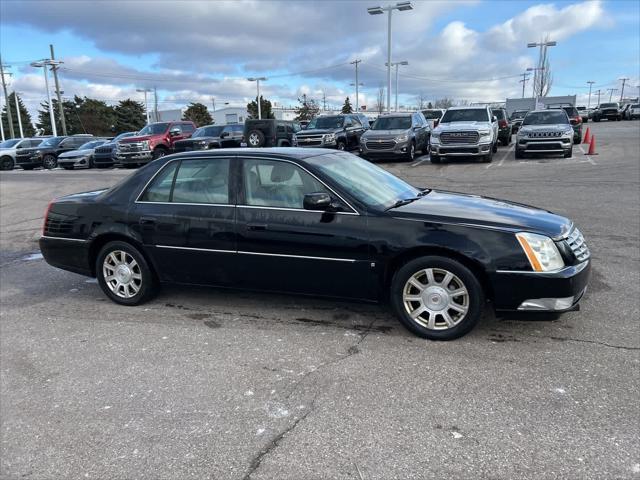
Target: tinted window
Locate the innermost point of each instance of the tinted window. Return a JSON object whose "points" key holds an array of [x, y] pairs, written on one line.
{"points": [[499, 114], [519, 114], [34, 143], [432, 114], [271, 183], [9, 143], [609, 105], [326, 122], [237, 128], [552, 117], [187, 128], [466, 115], [281, 129], [160, 188], [154, 129], [202, 181], [392, 123], [571, 111]]}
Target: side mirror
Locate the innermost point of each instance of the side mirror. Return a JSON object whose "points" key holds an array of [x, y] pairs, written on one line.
{"points": [[316, 201], [174, 131]]}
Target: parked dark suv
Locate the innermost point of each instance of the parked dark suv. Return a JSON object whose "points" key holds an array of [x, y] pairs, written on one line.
{"points": [[46, 154], [504, 125], [333, 131], [211, 136], [104, 155], [268, 132], [610, 111], [394, 136]]}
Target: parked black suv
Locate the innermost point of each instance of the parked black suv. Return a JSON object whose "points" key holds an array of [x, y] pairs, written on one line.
{"points": [[104, 155], [333, 131], [211, 136], [516, 119], [46, 154], [504, 125], [610, 111], [269, 133]]}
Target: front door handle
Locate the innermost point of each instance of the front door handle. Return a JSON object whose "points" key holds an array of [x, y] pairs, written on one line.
{"points": [[147, 221], [256, 227]]}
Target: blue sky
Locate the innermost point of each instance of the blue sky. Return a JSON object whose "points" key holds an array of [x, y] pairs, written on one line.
{"points": [[203, 50]]}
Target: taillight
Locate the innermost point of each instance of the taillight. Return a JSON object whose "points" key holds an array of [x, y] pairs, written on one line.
{"points": [[502, 124], [46, 215]]}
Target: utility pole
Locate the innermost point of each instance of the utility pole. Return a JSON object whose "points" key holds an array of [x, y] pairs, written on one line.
{"points": [[611, 90], [54, 68], [257, 80], [155, 103], [525, 79], [324, 101], [624, 80], [590, 82], [356, 62], [6, 100], [598, 92]]}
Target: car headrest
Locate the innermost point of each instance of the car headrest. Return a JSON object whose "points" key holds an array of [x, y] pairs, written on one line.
{"points": [[282, 172]]}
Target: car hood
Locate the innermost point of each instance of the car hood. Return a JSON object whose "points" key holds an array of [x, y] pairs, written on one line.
{"points": [[545, 128], [76, 153], [141, 138], [318, 131], [484, 211], [197, 139], [458, 126]]}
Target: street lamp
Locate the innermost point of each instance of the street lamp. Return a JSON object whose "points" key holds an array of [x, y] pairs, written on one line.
{"points": [[590, 82], [146, 105], [43, 64], [542, 58], [397, 64], [401, 6], [257, 80]]}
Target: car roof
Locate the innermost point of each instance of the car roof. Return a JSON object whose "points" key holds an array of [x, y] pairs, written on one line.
{"points": [[467, 107], [280, 152], [397, 114]]}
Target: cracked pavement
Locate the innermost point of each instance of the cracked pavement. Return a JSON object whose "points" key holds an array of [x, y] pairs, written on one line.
{"points": [[204, 383]]}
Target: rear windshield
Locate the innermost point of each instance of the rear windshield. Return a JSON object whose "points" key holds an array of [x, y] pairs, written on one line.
{"points": [[392, 123], [519, 114], [552, 117], [432, 114], [608, 105], [499, 113], [466, 115]]}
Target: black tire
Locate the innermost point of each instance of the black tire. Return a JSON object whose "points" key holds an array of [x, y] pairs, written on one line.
{"points": [[506, 141], [6, 163], [159, 152], [494, 147], [519, 153], [461, 276], [148, 285], [596, 119], [255, 139], [411, 154], [569, 154], [27, 168], [435, 158], [91, 164], [341, 145], [68, 167], [577, 140], [488, 158], [49, 162]]}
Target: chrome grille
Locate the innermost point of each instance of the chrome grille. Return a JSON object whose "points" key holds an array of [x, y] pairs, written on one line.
{"points": [[459, 137], [309, 140], [130, 147], [380, 144], [105, 150], [576, 242], [544, 134]]}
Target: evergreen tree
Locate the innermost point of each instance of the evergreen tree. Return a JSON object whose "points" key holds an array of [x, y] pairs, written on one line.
{"points": [[25, 117], [307, 110], [130, 116], [70, 115], [198, 114], [346, 107], [429, 105], [265, 108], [94, 116]]}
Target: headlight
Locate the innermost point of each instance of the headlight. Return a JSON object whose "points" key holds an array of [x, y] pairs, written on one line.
{"points": [[435, 135], [145, 144], [541, 251], [330, 137], [484, 133], [402, 138], [568, 132], [38, 152]]}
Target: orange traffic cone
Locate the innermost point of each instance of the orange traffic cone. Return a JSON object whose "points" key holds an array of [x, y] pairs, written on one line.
{"points": [[587, 136], [592, 146]]}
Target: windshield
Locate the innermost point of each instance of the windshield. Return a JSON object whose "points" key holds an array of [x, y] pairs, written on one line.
{"points": [[552, 117], [609, 105], [432, 114], [499, 113], [326, 122], [51, 142], [207, 132], [635, 105], [392, 123], [9, 143], [154, 129], [365, 181], [519, 114], [90, 145], [466, 115], [124, 135]]}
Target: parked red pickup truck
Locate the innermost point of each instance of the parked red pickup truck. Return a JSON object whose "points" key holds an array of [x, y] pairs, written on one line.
{"points": [[153, 141]]}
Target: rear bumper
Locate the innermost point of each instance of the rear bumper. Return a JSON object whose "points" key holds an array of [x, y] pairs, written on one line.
{"points": [[535, 291], [66, 253]]}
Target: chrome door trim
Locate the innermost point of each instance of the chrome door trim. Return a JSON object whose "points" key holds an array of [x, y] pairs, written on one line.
{"points": [[306, 257], [196, 249], [64, 238], [295, 210]]}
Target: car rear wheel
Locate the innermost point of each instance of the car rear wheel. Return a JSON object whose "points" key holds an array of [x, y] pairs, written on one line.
{"points": [[437, 298], [49, 162], [6, 163], [255, 139], [124, 275]]}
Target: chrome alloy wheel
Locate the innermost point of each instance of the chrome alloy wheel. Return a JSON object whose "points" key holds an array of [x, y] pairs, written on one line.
{"points": [[435, 299], [122, 274], [254, 140]]}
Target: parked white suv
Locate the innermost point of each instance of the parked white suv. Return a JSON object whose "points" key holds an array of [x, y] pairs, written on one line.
{"points": [[465, 131], [8, 150]]}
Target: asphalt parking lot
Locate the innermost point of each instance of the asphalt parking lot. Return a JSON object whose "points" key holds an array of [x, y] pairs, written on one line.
{"points": [[204, 383]]}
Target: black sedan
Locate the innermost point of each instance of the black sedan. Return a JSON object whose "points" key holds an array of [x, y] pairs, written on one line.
{"points": [[318, 222]]}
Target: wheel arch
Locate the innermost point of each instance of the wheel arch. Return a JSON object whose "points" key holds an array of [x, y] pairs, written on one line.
{"points": [[403, 258], [102, 239]]}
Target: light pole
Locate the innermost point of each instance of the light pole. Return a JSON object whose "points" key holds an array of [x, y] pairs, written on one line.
{"points": [[590, 82], [44, 64], [624, 80], [257, 80], [397, 64], [542, 59], [611, 90], [400, 6], [535, 75], [146, 105]]}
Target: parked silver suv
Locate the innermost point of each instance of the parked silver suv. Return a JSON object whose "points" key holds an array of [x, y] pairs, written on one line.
{"points": [[545, 131], [396, 135], [465, 131]]}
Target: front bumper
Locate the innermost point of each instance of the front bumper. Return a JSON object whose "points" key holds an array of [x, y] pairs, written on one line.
{"points": [[135, 157], [541, 291], [459, 150], [103, 159], [383, 148], [540, 145], [30, 161], [75, 162]]}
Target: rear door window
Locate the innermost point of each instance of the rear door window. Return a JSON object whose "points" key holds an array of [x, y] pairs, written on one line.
{"points": [[160, 188], [202, 181]]}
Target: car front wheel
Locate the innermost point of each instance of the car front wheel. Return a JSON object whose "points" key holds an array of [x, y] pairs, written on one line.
{"points": [[49, 162], [124, 275], [6, 163], [437, 298], [411, 154]]}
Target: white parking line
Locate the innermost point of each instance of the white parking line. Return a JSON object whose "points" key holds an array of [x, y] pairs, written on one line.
{"points": [[589, 159], [419, 162], [504, 157]]}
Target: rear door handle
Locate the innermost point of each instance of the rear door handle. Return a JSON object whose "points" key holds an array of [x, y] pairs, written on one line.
{"points": [[147, 221], [256, 227]]}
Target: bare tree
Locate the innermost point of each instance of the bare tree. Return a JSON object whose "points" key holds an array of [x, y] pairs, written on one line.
{"points": [[380, 100], [443, 103], [543, 78], [421, 100]]}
